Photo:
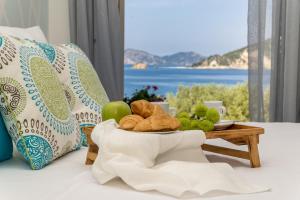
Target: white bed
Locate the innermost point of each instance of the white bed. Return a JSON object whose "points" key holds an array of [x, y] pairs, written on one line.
{"points": [[68, 177]]}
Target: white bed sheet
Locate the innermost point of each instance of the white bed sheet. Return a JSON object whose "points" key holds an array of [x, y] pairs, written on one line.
{"points": [[69, 179]]}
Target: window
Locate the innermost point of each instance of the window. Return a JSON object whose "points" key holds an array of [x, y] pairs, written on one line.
{"points": [[191, 50]]}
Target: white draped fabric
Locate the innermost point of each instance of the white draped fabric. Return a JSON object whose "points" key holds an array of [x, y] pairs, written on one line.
{"points": [[172, 164]]}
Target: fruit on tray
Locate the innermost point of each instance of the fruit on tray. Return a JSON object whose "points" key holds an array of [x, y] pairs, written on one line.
{"points": [[206, 125], [183, 115], [185, 123], [115, 110], [212, 115], [148, 118], [195, 124], [200, 110], [201, 118]]}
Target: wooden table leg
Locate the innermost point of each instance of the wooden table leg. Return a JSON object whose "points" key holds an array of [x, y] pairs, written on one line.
{"points": [[253, 151], [91, 154]]}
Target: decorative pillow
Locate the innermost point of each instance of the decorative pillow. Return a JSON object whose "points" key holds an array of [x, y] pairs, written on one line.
{"points": [[6, 148], [32, 33], [33, 104], [82, 85]]}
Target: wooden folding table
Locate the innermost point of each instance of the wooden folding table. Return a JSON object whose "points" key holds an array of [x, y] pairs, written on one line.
{"points": [[237, 134]]}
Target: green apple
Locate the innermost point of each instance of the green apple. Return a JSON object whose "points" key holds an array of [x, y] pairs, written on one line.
{"points": [[115, 110]]}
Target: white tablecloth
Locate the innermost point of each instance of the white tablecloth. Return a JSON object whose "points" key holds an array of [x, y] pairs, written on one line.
{"points": [[158, 162]]}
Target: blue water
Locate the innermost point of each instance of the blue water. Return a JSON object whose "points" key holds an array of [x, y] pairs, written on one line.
{"points": [[169, 78]]}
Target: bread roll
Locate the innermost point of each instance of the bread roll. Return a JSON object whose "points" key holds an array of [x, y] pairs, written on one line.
{"points": [[142, 108], [157, 110], [157, 123], [130, 121]]}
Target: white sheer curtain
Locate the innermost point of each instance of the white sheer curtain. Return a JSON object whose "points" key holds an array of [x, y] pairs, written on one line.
{"points": [[24, 13], [256, 53], [285, 79], [285, 60]]}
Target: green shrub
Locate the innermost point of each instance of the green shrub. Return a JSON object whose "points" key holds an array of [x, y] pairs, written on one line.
{"points": [[235, 99]]}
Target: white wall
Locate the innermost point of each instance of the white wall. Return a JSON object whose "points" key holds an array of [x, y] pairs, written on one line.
{"points": [[58, 27]]}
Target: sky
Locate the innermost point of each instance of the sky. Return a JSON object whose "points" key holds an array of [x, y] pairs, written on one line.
{"points": [[164, 27]]}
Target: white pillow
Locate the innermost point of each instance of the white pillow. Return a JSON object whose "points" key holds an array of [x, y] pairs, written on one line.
{"points": [[32, 33]]}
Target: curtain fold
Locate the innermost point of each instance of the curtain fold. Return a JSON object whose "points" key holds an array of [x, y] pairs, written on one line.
{"points": [[25, 13], [96, 27], [81, 25], [285, 74], [256, 52]]}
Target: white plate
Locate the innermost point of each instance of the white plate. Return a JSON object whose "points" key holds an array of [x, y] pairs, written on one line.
{"points": [[159, 132], [152, 132], [223, 124]]}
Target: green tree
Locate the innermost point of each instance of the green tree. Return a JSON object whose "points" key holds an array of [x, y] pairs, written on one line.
{"points": [[235, 99]]}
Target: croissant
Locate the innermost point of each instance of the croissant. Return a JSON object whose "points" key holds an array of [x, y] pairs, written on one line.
{"points": [[157, 110], [130, 121], [142, 108], [157, 123]]}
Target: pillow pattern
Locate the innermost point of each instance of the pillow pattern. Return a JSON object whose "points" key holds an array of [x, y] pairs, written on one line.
{"points": [[33, 104], [81, 83], [6, 148]]}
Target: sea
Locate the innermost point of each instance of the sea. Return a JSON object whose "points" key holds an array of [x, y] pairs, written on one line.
{"points": [[168, 79]]}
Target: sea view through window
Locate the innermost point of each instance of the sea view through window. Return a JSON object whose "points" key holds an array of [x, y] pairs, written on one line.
{"points": [[189, 48]]}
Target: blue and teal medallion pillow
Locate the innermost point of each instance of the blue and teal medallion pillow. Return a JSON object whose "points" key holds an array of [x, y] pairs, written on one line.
{"points": [[33, 104], [6, 148], [80, 81]]}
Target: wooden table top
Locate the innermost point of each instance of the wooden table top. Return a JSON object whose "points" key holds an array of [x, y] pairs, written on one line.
{"points": [[235, 131]]}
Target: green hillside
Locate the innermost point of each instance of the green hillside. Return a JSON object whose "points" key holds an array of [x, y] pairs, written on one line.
{"points": [[237, 57]]}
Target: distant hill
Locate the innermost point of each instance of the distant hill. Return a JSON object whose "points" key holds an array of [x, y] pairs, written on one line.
{"points": [[234, 59], [183, 58], [134, 56]]}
